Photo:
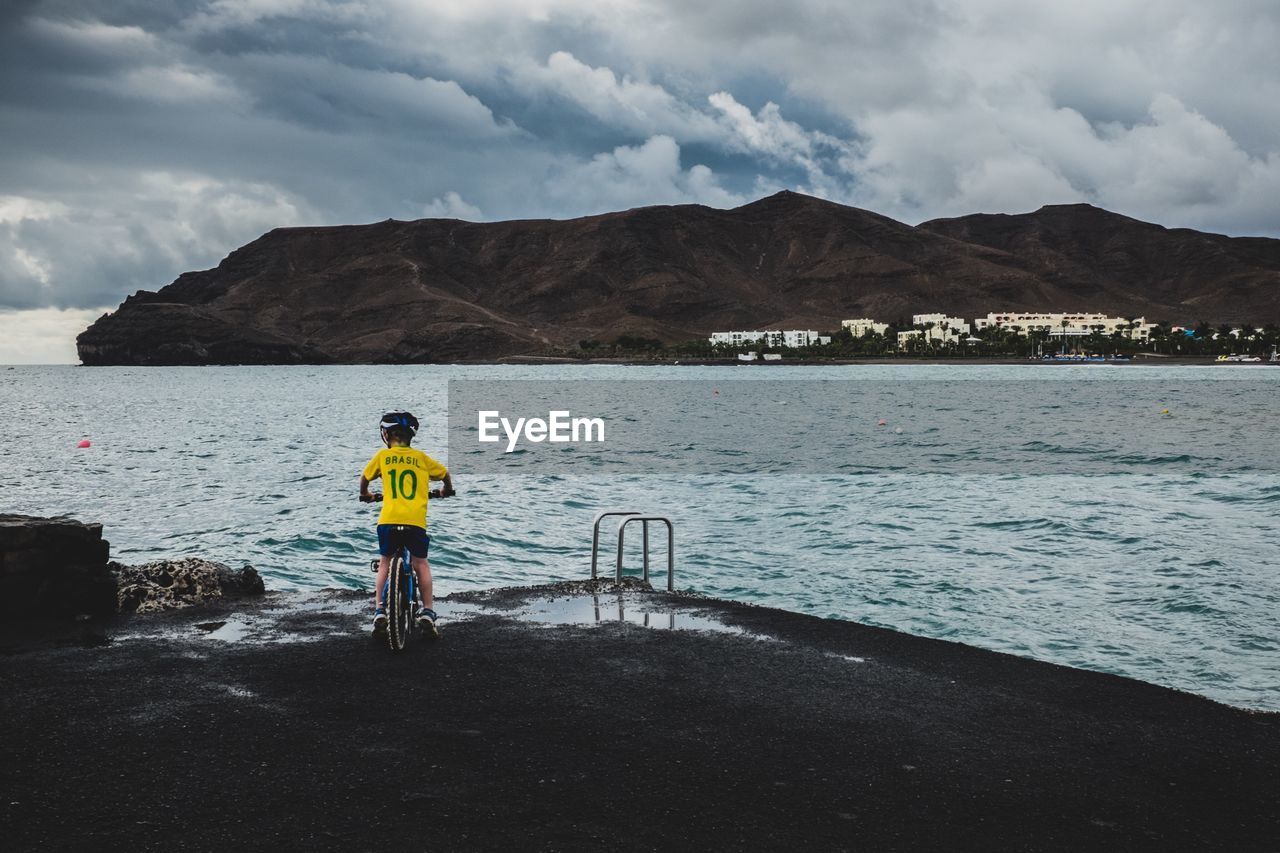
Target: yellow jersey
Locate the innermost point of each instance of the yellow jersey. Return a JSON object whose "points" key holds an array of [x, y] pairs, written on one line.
{"points": [[406, 479]]}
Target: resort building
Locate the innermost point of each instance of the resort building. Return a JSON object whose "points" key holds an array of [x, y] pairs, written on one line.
{"points": [[943, 327], [736, 339], [934, 329], [862, 325], [906, 337], [1067, 325], [801, 339], [771, 338]]}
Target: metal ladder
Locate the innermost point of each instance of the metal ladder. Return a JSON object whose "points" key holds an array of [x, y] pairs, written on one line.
{"points": [[630, 516]]}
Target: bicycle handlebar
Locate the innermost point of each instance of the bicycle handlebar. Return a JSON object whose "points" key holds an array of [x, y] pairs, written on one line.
{"points": [[375, 497]]}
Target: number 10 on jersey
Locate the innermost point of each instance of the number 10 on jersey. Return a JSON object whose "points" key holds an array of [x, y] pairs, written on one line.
{"points": [[403, 484]]}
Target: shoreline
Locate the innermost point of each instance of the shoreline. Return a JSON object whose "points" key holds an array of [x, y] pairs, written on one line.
{"points": [[1145, 360], [552, 717]]}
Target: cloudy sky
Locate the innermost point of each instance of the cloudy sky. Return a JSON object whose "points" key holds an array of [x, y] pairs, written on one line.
{"points": [[142, 138]]}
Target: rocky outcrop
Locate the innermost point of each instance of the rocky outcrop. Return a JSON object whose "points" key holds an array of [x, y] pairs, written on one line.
{"points": [[440, 290], [53, 567], [59, 567], [170, 584], [157, 333]]}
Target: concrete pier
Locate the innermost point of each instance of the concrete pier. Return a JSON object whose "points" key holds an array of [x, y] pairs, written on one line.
{"points": [[574, 717]]}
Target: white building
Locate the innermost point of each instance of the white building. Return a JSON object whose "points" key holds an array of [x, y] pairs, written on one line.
{"points": [[736, 339], [944, 327], [1066, 324], [797, 338], [941, 329], [905, 337], [934, 336], [861, 325], [771, 338]]}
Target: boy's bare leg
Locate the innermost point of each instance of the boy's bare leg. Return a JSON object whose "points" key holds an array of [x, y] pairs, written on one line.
{"points": [[422, 569], [384, 568]]}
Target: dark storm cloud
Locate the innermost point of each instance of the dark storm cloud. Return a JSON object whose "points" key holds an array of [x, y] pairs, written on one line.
{"points": [[143, 139]]}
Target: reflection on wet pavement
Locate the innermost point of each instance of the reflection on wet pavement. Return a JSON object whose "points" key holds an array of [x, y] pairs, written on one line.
{"points": [[596, 609], [309, 620]]}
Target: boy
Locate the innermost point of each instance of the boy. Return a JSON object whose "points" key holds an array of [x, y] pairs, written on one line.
{"points": [[405, 473]]}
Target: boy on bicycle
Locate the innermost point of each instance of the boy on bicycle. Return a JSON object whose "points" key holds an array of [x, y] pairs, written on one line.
{"points": [[405, 473]]}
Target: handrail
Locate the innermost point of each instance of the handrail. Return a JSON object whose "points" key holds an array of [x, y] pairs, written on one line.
{"points": [[595, 533], [671, 546]]}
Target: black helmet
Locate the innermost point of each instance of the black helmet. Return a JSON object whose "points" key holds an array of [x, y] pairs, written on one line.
{"points": [[400, 421]]}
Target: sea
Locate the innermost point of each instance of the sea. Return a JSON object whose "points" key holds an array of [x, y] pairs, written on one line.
{"points": [[1020, 536]]}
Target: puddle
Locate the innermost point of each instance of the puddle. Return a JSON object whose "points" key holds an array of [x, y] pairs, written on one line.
{"points": [[633, 608], [262, 631], [597, 610], [234, 630]]}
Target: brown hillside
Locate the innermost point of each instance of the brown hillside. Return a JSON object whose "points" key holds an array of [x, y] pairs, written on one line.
{"points": [[445, 290], [1114, 263]]}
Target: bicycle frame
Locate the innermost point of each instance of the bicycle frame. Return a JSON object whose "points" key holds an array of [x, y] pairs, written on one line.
{"points": [[406, 567], [400, 598]]}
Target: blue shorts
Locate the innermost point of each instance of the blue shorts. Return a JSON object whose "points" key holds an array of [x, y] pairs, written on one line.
{"points": [[393, 537]]}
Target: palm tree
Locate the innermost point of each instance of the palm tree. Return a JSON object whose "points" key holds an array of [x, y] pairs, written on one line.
{"points": [[1160, 334], [928, 338], [1035, 337], [1009, 340]]}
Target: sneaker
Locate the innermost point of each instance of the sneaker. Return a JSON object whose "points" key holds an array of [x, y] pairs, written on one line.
{"points": [[427, 623], [379, 621]]}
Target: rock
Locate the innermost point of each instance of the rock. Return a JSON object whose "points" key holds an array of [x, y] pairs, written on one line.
{"points": [[170, 584], [53, 567], [250, 581], [59, 567]]}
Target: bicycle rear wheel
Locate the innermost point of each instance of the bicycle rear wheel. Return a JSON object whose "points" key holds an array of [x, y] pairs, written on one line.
{"points": [[399, 605]]}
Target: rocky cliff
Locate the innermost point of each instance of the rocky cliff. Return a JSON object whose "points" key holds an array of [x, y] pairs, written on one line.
{"points": [[443, 290], [59, 567]]}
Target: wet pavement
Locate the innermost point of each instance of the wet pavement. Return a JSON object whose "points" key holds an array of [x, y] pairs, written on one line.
{"points": [[340, 613], [587, 717]]}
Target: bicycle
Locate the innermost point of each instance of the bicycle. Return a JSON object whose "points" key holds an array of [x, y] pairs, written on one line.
{"points": [[400, 591]]}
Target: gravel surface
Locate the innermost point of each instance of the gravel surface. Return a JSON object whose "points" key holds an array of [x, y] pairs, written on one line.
{"points": [[281, 725]]}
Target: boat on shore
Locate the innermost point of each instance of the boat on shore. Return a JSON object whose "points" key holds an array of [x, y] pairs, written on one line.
{"points": [[1081, 358]]}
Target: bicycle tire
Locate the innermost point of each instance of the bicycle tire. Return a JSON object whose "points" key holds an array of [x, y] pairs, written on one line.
{"points": [[398, 606]]}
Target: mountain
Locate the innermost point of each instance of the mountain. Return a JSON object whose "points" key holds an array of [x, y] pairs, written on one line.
{"points": [[1125, 266], [444, 290]]}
